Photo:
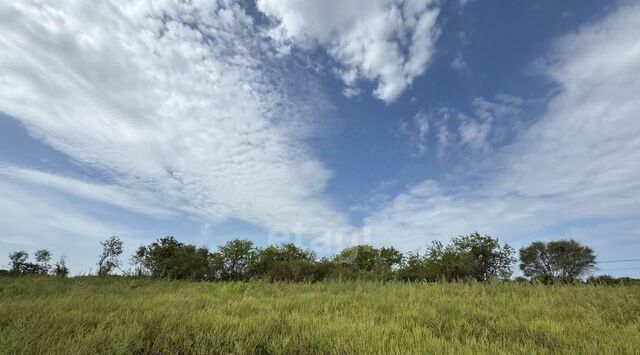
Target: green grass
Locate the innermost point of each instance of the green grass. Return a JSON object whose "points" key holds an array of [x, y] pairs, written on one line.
{"points": [[118, 315]]}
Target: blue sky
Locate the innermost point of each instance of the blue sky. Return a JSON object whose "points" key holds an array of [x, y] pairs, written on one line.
{"points": [[326, 123]]}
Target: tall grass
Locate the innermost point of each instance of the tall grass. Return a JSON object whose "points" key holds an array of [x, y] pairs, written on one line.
{"points": [[120, 315]]}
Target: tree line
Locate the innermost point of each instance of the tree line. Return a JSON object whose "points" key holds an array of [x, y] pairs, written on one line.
{"points": [[42, 265], [471, 257]]}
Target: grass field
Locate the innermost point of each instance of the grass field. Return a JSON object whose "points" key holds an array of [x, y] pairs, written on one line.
{"points": [[118, 315]]}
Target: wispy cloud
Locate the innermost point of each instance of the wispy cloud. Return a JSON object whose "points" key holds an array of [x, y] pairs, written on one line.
{"points": [[577, 162], [179, 101], [388, 41], [459, 64], [417, 132], [136, 201], [488, 123]]}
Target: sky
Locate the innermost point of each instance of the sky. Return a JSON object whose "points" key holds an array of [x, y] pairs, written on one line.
{"points": [[321, 122]]}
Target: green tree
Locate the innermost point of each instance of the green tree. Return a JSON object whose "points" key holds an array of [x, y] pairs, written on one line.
{"points": [[481, 257], [557, 261], [60, 269], [390, 257], [286, 262], [367, 262], [358, 257], [235, 260], [43, 259], [473, 256], [416, 268], [109, 258], [18, 262], [168, 258]]}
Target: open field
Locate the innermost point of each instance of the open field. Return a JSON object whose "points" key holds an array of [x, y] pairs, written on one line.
{"points": [[120, 315]]}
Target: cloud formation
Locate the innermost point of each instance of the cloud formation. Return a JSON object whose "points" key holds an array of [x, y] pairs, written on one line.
{"points": [[388, 41], [118, 196], [456, 132], [180, 101], [577, 162], [417, 131]]}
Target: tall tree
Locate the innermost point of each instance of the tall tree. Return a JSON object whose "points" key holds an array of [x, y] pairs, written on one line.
{"points": [[18, 261], [236, 259], [557, 261], [43, 259], [109, 258], [60, 269]]}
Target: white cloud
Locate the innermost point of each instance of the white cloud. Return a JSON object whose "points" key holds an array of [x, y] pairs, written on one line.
{"points": [[136, 201], [502, 106], [176, 100], [417, 131], [25, 215], [351, 92], [444, 136], [577, 162], [474, 133], [389, 41], [488, 123], [459, 64]]}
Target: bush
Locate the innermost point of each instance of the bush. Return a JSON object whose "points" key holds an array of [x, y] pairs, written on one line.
{"points": [[474, 256]]}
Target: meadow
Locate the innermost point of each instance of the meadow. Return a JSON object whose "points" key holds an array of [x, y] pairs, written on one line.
{"points": [[87, 315]]}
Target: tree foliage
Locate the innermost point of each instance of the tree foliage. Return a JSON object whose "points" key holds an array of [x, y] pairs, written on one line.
{"points": [[168, 258], [20, 265], [468, 257], [473, 256], [60, 269], [556, 261], [234, 260], [43, 260], [366, 262], [285, 262], [109, 258]]}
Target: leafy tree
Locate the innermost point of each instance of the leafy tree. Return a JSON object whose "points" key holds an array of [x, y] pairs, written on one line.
{"points": [[109, 258], [556, 261], [467, 257], [286, 262], [60, 269], [235, 259], [367, 262], [480, 257], [19, 263], [389, 258], [416, 268], [216, 267], [43, 259], [359, 257], [324, 268], [437, 263], [172, 259]]}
